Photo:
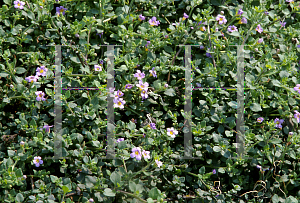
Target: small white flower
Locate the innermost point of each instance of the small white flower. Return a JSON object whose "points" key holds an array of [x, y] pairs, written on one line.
{"points": [[172, 132]]}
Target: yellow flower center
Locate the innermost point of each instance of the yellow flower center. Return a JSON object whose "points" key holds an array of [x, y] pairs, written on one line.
{"points": [[41, 71], [40, 95], [119, 103], [232, 28], [62, 10], [171, 132], [19, 4], [221, 19], [136, 152], [37, 160]]}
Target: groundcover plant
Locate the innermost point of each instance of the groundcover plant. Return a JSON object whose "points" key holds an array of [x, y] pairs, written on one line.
{"points": [[149, 101]]}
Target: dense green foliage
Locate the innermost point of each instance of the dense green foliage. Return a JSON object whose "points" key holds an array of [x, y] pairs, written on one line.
{"points": [[268, 171]]}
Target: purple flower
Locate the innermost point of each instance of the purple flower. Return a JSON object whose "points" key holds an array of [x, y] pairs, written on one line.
{"points": [[166, 85], [22, 143], [260, 119], [282, 24], [172, 132], [141, 17], [221, 19], [19, 4], [153, 21], [214, 171], [297, 116], [297, 88], [198, 84], [259, 28], [298, 46], [143, 86], [139, 75], [119, 102], [146, 154], [101, 62], [37, 161], [119, 93], [100, 34], [176, 24], [32, 78], [166, 36], [152, 125], [148, 42], [243, 21], [77, 35], [208, 55], [153, 72], [136, 153], [158, 163], [290, 1], [278, 122], [201, 47], [185, 16], [232, 28], [128, 86], [144, 94], [240, 12], [258, 166], [91, 200], [203, 28], [47, 127], [266, 13], [97, 68], [260, 40], [60, 10], [291, 133], [40, 96], [120, 140]]}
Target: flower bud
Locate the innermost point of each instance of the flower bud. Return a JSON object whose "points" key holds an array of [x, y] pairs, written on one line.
{"points": [[222, 12], [256, 49]]}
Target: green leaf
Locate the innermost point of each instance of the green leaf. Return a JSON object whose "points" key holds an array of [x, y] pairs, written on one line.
{"points": [[116, 178], [65, 189], [20, 70], [53, 178], [202, 170], [255, 107], [157, 84], [217, 149], [3, 74], [33, 123], [68, 94], [19, 172], [286, 11], [233, 104], [19, 197], [131, 126], [132, 186], [77, 136], [235, 33], [8, 2], [48, 91], [11, 153], [75, 59], [275, 141], [275, 199], [154, 193], [108, 192], [170, 92]]}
